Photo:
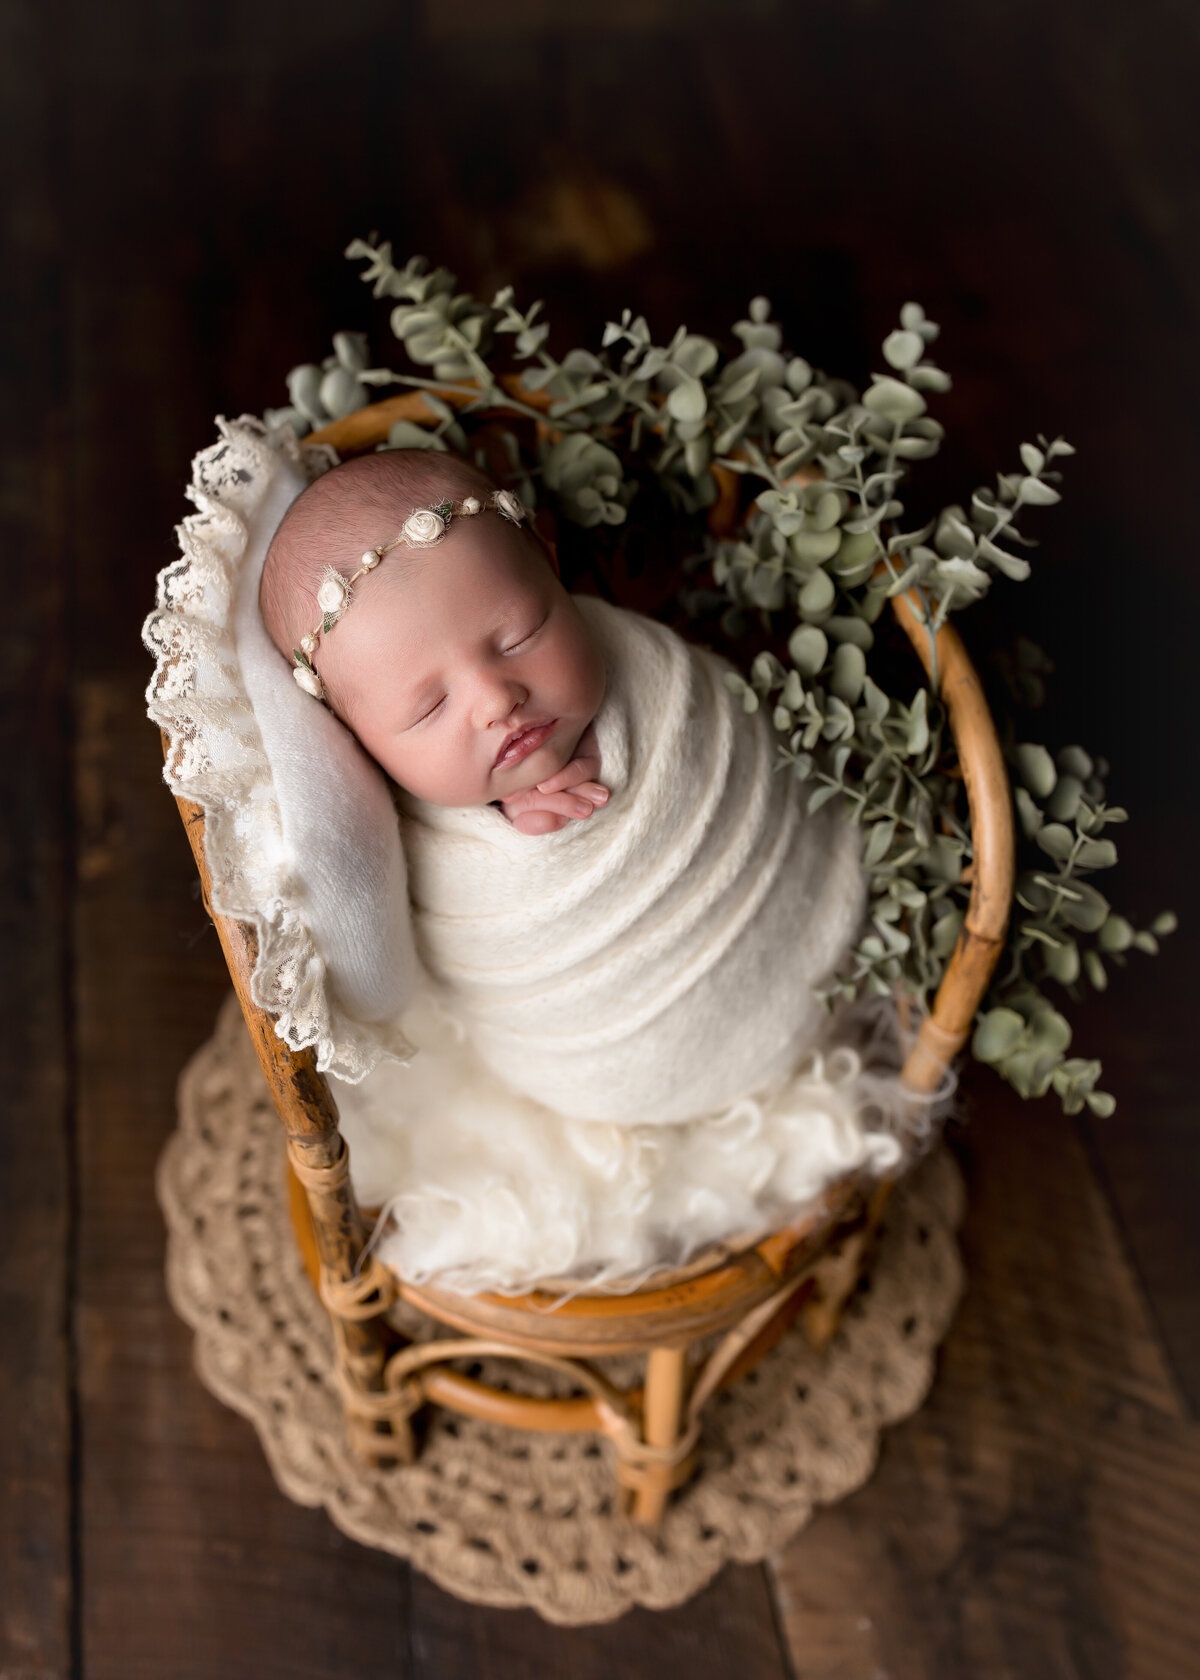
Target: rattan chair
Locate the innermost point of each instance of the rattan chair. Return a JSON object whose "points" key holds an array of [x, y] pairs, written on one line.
{"points": [[749, 1298]]}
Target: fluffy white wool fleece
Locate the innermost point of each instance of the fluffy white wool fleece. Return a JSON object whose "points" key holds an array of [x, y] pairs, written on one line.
{"points": [[656, 962], [499, 1193]]}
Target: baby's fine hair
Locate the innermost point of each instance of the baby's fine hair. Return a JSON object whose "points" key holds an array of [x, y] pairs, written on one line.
{"points": [[352, 507]]}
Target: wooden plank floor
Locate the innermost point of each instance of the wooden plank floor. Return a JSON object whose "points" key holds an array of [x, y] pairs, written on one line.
{"points": [[177, 185]]}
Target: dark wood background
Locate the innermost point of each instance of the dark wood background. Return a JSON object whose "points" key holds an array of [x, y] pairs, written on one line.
{"points": [[178, 184]]}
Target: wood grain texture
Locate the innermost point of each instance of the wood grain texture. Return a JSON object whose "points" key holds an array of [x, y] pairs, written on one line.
{"points": [[37, 1562], [1038, 1517], [728, 1630]]}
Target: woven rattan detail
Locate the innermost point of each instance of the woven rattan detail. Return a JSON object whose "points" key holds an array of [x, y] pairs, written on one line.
{"points": [[508, 1517]]}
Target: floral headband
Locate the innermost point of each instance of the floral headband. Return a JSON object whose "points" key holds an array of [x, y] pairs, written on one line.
{"points": [[421, 529]]}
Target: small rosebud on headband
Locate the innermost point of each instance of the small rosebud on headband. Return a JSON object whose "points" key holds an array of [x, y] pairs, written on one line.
{"points": [[422, 528]]}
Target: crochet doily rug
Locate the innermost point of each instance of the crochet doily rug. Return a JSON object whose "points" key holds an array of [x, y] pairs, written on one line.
{"points": [[506, 1517]]}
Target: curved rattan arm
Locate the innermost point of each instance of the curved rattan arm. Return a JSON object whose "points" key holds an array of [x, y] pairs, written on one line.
{"points": [[989, 802], [306, 1107]]}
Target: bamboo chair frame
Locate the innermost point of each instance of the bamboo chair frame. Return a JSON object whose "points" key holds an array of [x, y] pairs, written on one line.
{"points": [[806, 1270]]}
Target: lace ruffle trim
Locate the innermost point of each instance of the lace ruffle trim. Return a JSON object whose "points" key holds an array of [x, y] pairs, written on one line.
{"points": [[215, 756]]}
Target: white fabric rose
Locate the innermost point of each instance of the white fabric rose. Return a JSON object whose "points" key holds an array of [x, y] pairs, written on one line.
{"points": [[309, 681], [333, 594], [422, 528], [510, 506], [470, 504]]}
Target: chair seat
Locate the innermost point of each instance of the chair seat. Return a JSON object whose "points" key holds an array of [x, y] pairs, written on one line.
{"points": [[673, 1307]]}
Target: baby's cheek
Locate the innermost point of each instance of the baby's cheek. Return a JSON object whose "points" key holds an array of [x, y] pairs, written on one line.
{"points": [[575, 672]]}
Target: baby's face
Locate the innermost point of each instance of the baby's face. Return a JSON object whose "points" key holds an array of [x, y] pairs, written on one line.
{"points": [[466, 670]]}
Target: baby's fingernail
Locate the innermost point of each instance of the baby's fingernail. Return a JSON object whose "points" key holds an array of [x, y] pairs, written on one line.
{"points": [[583, 808], [600, 796]]}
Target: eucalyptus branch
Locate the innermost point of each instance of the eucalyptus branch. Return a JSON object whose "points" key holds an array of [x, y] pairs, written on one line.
{"points": [[804, 558]]}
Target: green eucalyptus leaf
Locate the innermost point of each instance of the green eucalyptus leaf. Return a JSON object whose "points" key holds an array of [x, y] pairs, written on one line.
{"points": [[855, 559], [1096, 854], [1086, 909], [945, 933], [1073, 761], [1038, 493], [1012, 565], [695, 355], [879, 840], [875, 701], [1062, 962], [815, 547], [808, 647], [903, 349], [1027, 812], [799, 375], [816, 596], [1063, 803], [738, 389], [893, 400], [687, 401], [915, 448], [1116, 934], [997, 1035], [1036, 769], [926, 377], [849, 671], [854, 630], [1164, 923], [304, 393], [1057, 840], [406, 434], [350, 348]]}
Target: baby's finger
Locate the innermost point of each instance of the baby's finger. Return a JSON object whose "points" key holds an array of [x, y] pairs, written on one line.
{"points": [[571, 775], [568, 803], [538, 822]]}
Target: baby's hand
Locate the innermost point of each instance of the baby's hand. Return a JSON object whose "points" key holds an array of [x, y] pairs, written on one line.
{"points": [[572, 792]]}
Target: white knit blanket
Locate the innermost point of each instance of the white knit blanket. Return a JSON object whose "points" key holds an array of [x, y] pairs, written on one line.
{"points": [[656, 962]]}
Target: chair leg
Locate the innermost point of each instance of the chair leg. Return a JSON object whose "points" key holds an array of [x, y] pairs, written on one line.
{"points": [[663, 1410], [837, 1275]]}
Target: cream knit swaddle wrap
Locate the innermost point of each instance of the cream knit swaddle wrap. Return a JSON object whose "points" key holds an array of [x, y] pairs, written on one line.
{"points": [[656, 962]]}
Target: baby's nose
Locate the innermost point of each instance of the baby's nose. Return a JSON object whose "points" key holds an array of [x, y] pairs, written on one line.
{"points": [[502, 699]]}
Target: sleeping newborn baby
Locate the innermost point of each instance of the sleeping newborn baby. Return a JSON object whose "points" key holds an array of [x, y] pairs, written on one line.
{"points": [[471, 677], [619, 904]]}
